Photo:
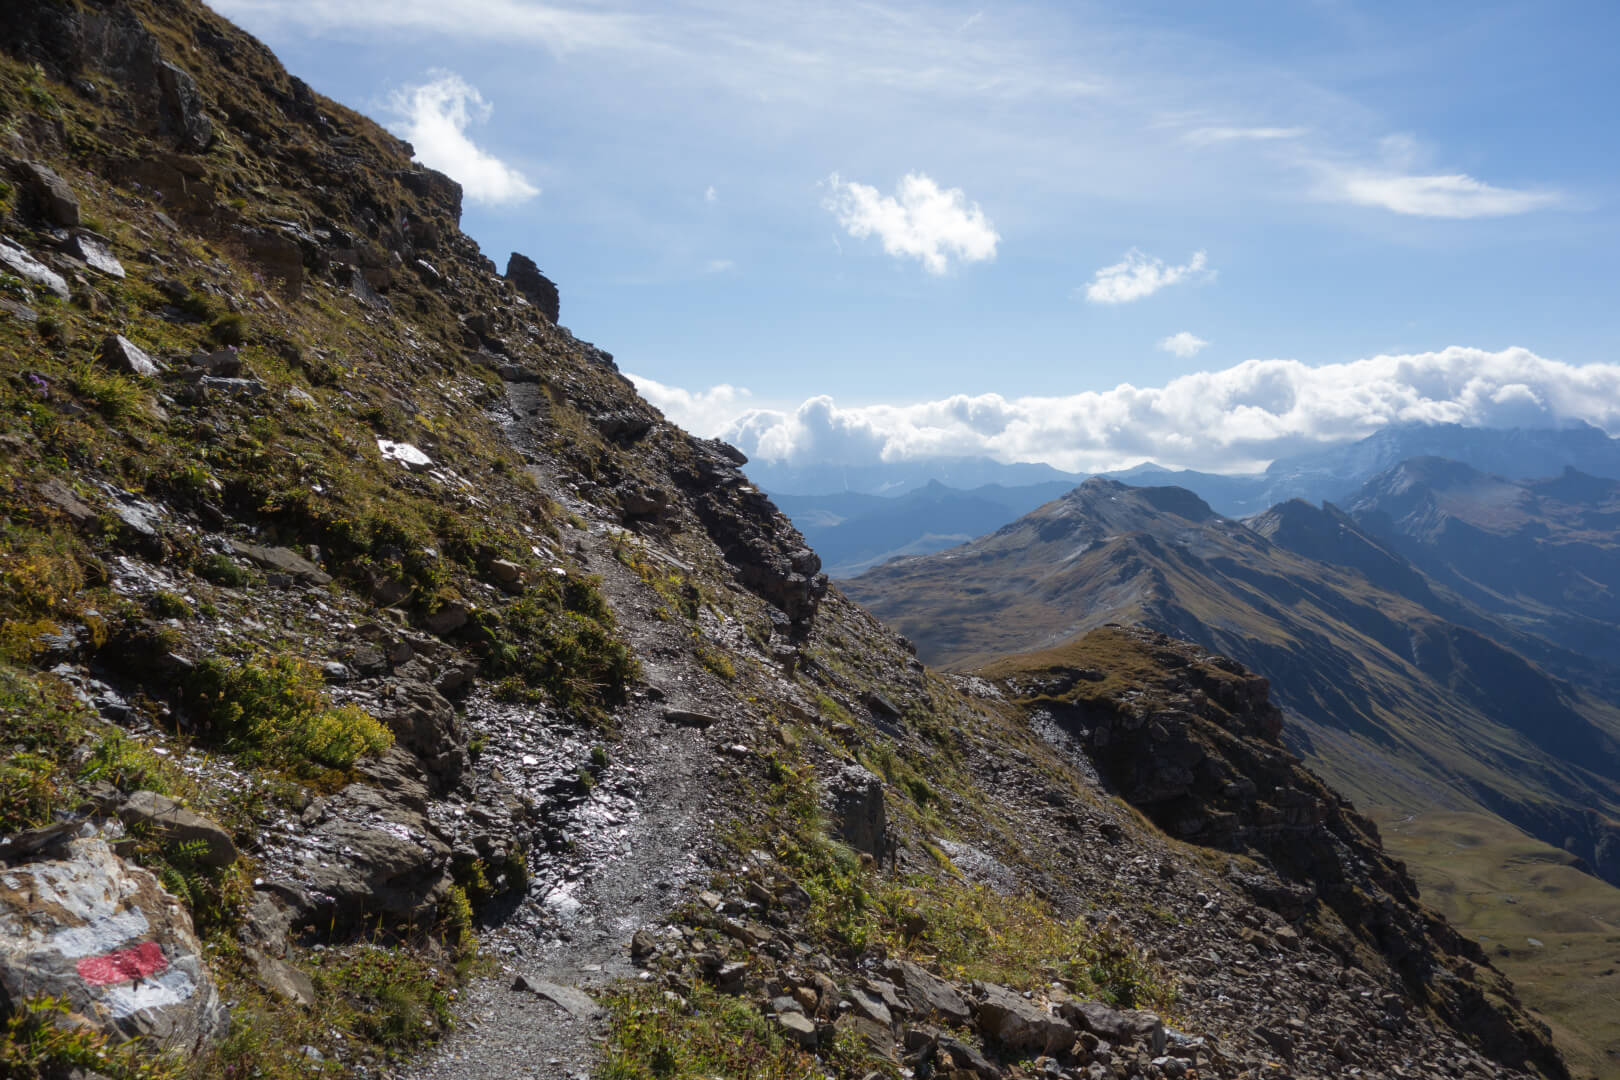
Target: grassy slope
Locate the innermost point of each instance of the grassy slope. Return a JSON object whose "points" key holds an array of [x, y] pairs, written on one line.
{"points": [[1505, 889]]}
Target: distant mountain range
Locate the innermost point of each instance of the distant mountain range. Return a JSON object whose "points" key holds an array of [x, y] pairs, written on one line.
{"points": [[1446, 643], [860, 516]]}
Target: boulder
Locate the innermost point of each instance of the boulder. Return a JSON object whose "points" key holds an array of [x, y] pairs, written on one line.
{"points": [[283, 561], [175, 824], [15, 258], [538, 289], [122, 354], [928, 995], [855, 798], [180, 108], [52, 199], [101, 933], [1018, 1025], [281, 980], [95, 254], [1116, 1025]]}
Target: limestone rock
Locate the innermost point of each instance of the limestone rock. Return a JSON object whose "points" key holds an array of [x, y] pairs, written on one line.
{"points": [[122, 354], [176, 824], [103, 934]]}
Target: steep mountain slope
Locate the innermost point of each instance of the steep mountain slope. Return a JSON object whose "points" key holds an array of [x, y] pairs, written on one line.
{"points": [[354, 610], [853, 532], [1400, 706], [1541, 555]]}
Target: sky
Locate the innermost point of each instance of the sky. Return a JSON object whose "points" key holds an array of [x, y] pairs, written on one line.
{"points": [[1088, 234]]}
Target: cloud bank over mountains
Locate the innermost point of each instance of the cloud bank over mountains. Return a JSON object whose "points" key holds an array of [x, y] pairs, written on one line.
{"points": [[1233, 420]]}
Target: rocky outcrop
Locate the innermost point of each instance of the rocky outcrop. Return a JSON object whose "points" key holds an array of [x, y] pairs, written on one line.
{"points": [[538, 289], [1197, 747], [82, 924]]}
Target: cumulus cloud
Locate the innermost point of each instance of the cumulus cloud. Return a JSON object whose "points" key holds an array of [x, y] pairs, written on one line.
{"points": [[710, 195], [1184, 345], [435, 117], [1454, 196], [705, 413], [1139, 275], [920, 221], [1236, 419]]}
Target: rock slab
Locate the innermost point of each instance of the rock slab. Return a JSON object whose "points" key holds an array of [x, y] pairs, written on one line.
{"points": [[101, 933]]}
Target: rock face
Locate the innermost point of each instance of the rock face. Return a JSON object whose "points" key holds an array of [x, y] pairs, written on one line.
{"points": [[1197, 748], [539, 289], [855, 795], [100, 932]]}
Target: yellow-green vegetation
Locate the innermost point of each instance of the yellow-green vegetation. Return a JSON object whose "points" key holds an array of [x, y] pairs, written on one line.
{"points": [[388, 1000], [559, 641], [39, 1042], [968, 930], [274, 710], [709, 1035], [716, 661], [1551, 927], [55, 746]]}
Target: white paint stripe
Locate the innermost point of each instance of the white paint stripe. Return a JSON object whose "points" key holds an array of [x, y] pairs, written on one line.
{"points": [[170, 988], [101, 935]]}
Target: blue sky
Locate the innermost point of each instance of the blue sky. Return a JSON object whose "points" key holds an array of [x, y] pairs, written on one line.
{"points": [[1082, 233]]}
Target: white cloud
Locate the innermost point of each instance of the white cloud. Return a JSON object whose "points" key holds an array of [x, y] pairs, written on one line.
{"points": [[710, 195], [919, 221], [434, 118], [1206, 136], [1184, 344], [718, 266], [1236, 419], [705, 413], [1454, 196], [1139, 275]]}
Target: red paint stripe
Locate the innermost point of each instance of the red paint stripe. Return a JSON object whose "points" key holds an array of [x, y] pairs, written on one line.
{"points": [[122, 966]]}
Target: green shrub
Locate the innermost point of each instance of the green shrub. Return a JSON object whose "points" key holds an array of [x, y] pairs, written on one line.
{"points": [[228, 329], [560, 641], [224, 570], [276, 710]]}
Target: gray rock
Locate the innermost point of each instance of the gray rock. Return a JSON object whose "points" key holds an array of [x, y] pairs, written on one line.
{"points": [[14, 257], [101, 932], [1019, 1025], [280, 979], [94, 254], [51, 195], [855, 797], [122, 354], [447, 619], [1115, 1025], [538, 289], [798, 1027], [60, 496], [283, 561], [572, 1000], [425, 723], [20, 312], [928, 995], [688, 718], [375, 855], [870, 1007], [181, 108], [176, 824], [965, 1059]]}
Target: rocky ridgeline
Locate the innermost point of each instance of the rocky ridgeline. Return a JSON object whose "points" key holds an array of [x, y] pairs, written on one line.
{"points": [[282, 433]]}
